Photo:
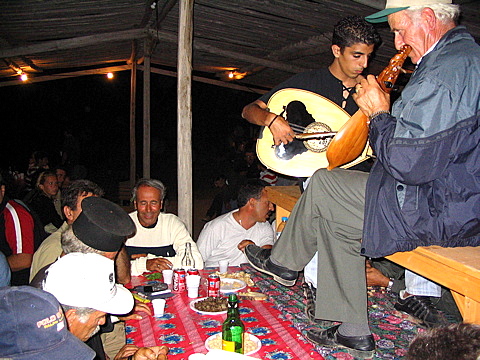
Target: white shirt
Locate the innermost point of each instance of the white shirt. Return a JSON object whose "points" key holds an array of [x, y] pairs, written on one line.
{"points": [[220, 237], [169, 230]]}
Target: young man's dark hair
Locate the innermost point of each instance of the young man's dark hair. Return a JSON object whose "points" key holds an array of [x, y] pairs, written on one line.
{"points": [[78, 188], [249, 191], [352, 30]]}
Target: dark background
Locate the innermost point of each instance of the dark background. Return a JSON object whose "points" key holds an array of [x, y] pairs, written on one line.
{"points": [[96, 110]]}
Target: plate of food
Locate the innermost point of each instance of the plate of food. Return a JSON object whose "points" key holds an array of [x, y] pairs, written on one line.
{"points": [[251, 344], [210, 305], [228, 285]]}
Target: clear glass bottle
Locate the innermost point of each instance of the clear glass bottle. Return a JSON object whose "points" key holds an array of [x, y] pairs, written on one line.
{"points": [[233, 328], [187, 260], [281, 226]]}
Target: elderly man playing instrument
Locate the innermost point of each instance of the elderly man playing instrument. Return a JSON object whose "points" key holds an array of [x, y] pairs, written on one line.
{"points": [[424, 188]]}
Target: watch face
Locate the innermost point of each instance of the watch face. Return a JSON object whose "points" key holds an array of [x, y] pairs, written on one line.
{"points": [[390, 284]]}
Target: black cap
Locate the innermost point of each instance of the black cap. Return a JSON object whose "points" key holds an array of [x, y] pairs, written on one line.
{"points": [[102, 224]]}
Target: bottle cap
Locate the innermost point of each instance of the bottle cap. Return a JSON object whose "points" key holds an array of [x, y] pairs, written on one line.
{"points": [[284, 218]]}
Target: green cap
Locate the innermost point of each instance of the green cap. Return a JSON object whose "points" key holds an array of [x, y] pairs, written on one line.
{"points": [[393, 6]]}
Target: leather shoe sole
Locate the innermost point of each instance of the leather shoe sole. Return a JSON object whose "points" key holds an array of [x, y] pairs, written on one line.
{"points": [[362, 347], [310, 307], [259, 258]]}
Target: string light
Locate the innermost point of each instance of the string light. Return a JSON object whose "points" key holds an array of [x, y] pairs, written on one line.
{"points": [[110, 75], [235, 75], [23, 77]]}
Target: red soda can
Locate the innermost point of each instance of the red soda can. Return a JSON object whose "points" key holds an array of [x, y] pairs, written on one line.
{"points": [[193, 272], [179, 281], [213, 289]]}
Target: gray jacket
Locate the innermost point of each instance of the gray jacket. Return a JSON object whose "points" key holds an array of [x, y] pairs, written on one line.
{"points": [[424, 188]]}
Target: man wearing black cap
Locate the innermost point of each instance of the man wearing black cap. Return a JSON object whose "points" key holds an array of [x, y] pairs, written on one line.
{"points": [[424, 188], [51, 248], [101, 227]]}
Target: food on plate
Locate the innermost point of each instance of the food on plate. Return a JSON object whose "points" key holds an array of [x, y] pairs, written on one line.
{"points": [[252, 295], [248, 344], [211, 304], [240, 275], [229, 285]]}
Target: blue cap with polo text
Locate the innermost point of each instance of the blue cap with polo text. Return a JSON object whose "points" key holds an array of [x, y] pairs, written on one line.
{"points": [[33, 327]]}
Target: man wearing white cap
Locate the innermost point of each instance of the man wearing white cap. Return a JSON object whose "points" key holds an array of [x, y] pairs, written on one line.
{"points": [[440, 101], [84, 284], [424, 188]]}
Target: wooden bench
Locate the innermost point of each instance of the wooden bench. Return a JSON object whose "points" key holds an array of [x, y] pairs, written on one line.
{"points": [[458, 269]]}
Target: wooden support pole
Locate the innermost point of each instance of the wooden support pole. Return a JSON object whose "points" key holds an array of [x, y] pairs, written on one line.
{"points": [[133, 158], [146, 112], [184, 114]]}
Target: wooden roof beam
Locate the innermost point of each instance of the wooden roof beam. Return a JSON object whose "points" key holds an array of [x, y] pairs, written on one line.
{"points": [[72, 43], [162, 36], [376, 4], [293, 51]]}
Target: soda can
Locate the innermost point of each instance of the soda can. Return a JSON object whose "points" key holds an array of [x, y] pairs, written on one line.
{"points": [[193, 272], [213, 289], [179, 280]]}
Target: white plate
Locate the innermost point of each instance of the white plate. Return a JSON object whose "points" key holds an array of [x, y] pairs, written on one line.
{"points": [[204, 312], [251, 337], [231, 285]]}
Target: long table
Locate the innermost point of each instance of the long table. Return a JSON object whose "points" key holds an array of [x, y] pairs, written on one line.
{"points": [[184, 331]]}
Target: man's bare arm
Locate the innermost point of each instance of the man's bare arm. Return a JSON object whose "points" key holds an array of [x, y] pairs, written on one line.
{"points": [[257, 113], [19, 261], [123, 267]]}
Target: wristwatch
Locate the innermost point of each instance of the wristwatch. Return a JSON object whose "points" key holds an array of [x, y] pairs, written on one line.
{"points": [[390, 284]]}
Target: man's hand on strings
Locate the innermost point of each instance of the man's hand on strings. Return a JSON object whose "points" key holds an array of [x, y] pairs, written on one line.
{"points": [[281, 131]]}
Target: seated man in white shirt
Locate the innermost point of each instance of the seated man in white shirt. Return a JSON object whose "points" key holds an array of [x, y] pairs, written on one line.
{"points": [[224, 237], [161, 238]]}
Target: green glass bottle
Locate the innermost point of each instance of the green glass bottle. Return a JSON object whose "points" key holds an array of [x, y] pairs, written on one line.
{"points": [[233, 328]]}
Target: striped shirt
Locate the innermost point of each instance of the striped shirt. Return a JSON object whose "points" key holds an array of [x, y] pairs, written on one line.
{"points": [[16, 229]]}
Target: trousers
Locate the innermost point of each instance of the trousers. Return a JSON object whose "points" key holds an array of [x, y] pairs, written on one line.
{"points": [[328, 219]]}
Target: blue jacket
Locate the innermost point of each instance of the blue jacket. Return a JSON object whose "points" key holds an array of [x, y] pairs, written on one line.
{"points": [[424, 188]]}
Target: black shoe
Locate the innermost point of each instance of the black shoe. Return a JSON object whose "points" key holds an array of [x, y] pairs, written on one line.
{"points": [[421, 308], [260, 259], [362, 347], [309, 293]]}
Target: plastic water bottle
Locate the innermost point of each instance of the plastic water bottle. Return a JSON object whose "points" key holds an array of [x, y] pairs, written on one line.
{"points": [[281, 226]]}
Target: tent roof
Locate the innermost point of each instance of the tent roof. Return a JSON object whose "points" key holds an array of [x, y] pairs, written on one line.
{"points": [[269, 40]]}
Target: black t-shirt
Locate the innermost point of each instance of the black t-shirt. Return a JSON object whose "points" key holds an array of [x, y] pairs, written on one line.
{"points": [[319, 81]]}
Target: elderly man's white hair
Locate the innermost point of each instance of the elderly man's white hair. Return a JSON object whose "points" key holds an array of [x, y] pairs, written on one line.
{"points": [[444, 12]]}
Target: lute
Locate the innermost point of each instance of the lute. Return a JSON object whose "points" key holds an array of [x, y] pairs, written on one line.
{"points": [[315, 120], [350, 140]]}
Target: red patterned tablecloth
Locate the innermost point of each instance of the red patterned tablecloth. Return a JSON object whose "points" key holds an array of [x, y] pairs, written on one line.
{"points": [[184, 331]]}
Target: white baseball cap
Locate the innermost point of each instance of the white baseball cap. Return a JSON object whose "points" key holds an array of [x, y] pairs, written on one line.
{"points": [[393, 6], [87, 280]]}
